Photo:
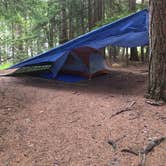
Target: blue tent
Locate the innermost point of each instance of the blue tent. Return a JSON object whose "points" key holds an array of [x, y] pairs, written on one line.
{"points": [[130, 31]]}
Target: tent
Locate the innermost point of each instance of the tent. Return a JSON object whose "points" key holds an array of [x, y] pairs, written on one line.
{"points": [[86, 60], [83, 62]]}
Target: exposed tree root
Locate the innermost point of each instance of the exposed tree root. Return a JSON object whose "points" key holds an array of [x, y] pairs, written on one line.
{"points": [[155, 103], [147, 149]]}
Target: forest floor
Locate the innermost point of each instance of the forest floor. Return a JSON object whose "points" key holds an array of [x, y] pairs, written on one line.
{"points": [[50, 123]]}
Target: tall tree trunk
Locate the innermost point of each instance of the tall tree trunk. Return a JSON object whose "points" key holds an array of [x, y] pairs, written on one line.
{"points": [[51, 32], [90, 15], [82, 20], [157, 67], [114, 53], [13, 35], [95, 13], [143, 1], [146, 57], [71, 15], [133, 52], [63, 32], [100, 10], [132, 5], [20, 49], [127, 56], [142, 54], [0, 56]]}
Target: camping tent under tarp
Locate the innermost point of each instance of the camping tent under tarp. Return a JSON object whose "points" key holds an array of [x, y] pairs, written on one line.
{"points": [[130, 31], [83, 61]]}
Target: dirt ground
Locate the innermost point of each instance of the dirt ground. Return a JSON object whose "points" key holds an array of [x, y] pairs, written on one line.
{"points": [[50, 123]]}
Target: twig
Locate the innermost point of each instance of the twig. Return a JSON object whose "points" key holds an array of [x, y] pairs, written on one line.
{"points": [[130, 151], [119, 112], [113, 143], [128, 108], [131, 104], [73, 121]]}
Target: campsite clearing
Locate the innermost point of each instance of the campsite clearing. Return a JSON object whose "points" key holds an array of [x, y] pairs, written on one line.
{"points": [[50, 123]]}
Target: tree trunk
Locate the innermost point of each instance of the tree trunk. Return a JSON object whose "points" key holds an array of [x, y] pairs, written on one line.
{"points": [[157, 66], [0, 56], [142, 54], [146, 57], [95, 13], [51, 32], [123, 54], [82, 20], [132, 5], [100, 10], [114, 53], [89, 14], [127, 56], [63, 32], [71, 15], [133, 52], [12, 31]]}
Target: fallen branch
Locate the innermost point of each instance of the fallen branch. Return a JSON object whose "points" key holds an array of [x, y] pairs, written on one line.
{"points": [[128, 108]]}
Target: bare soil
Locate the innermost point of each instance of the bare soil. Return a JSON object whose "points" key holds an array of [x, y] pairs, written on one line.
{"points": [[50, 123]]}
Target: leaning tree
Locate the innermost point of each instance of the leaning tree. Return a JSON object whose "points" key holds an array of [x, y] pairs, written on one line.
{"points": [[157, 67]]}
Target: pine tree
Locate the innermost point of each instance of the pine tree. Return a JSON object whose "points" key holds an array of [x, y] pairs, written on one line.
{"points": [[157, 67]]}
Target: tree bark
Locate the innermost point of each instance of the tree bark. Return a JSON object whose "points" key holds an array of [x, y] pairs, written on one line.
{"points": [[157, 67]]}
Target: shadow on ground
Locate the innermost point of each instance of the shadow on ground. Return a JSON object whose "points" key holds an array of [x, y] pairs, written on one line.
{"points": [[118, 82]]}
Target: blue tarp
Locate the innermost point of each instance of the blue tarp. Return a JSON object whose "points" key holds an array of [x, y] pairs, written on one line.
{"points": [[130, 31]]}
